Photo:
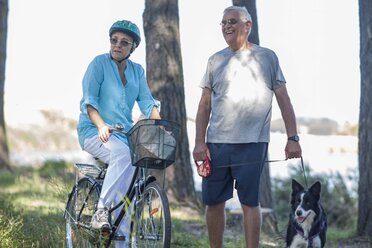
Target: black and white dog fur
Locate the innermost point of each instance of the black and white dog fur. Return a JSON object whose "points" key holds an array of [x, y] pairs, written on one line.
{"points": [[307, 224]]}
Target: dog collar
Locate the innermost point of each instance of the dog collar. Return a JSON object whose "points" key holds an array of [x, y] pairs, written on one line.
{"points": [[299, 230]]}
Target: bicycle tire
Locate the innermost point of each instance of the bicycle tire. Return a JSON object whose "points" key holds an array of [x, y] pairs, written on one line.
{"points": [[152, 220], [80, 208]]}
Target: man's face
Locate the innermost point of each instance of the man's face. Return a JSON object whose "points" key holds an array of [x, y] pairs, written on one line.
{"points": [[234, 30]]}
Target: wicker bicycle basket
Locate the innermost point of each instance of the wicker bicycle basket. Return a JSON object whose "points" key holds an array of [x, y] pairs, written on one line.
{"points": [[153, 143]]}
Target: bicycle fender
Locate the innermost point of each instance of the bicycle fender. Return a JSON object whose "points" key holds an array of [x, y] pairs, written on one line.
{"points": [[150, 179]]}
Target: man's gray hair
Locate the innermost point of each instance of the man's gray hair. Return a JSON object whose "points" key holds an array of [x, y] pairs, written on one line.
{"points": [[243, 12]]}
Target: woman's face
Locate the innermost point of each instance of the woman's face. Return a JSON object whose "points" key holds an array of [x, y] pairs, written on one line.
{"points": [[121, 45]]}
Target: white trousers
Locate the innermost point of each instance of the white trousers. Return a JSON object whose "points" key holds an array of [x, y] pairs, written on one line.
{"points": [[118, 177]]}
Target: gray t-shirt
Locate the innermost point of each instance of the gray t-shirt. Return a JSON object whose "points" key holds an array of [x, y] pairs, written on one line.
{"points": [[243, 85]]}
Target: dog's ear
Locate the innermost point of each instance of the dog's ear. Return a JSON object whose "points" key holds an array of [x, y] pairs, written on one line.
{"points": [[316, 188], [296, 186]]}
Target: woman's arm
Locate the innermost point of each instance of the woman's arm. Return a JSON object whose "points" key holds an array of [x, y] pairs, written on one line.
{"points": [[155, 113], [103, 129]]}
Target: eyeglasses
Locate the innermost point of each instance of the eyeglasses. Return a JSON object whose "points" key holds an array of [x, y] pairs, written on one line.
{"points": [[231, 21], [122, 43]]}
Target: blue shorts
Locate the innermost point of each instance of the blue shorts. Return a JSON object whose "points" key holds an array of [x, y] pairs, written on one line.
{"points": [[239, 163]]}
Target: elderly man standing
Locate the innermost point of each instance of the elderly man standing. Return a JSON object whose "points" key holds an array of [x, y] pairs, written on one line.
{"points": [[233, 124]]}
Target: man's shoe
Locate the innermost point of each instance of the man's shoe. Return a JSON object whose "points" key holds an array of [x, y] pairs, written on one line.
{"points": [[100, 219]]}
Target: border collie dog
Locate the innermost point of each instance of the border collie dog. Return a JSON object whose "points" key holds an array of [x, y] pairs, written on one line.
{"points": [[307, 224]]}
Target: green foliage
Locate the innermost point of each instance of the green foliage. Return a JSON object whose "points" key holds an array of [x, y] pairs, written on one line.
{"points": [[54, 168], [340, 234], [31, 206], [6, 178], [338, 200], [188, 234], [32, 202], [10, 224]]}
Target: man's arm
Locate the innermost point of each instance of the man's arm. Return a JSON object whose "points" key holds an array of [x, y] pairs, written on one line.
{"points": [[202, 119], [293, 148]]}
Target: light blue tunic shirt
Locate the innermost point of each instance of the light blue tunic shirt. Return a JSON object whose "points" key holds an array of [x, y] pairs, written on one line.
{"points": [[104, 90]]}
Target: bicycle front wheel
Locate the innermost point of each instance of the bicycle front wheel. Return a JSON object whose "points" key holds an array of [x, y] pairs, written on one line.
{"points": [[152, 219], [80, 208]]}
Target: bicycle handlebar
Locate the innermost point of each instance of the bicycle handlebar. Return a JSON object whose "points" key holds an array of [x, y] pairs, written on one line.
{"points": [[118, 127]]}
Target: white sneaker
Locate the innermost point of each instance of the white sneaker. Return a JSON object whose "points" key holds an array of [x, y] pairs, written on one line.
{"points": [[100, 219]]}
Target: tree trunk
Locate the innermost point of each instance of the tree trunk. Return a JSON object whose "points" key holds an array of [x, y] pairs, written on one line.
{"points": [[365, 120], [4, 152], [165, 78], [269, 222], [251, 7]]}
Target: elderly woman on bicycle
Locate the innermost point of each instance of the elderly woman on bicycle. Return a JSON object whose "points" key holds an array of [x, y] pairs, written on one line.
{"points": [[111, 86]]}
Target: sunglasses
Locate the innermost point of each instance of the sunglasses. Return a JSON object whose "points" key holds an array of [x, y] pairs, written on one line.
{"points": [[231, 21], [122, 43]]}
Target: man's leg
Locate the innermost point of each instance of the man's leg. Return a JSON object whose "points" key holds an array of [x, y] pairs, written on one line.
{"points": [[247, 185], [252, 225], [216, 224]]}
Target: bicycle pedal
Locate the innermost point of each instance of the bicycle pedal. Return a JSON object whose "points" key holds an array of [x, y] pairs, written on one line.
{"points": [[105, 231], [119, 238]]}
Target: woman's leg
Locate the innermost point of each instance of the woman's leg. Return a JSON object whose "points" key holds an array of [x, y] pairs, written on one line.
{"points": [[119, 172], [118, 177]]}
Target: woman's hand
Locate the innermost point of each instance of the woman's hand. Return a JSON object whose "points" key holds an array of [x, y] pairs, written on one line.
{"points": [[103, 130], [104, 133]]}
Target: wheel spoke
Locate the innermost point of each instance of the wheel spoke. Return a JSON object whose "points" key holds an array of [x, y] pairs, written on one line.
{"points": [[153, 218], [79, 211]]}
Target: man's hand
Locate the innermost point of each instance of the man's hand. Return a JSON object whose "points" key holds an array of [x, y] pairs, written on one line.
{"points": [[293, 149], [200, 152]]}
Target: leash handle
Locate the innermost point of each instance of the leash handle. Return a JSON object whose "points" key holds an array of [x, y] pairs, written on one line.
{"points": [[203, 167]]}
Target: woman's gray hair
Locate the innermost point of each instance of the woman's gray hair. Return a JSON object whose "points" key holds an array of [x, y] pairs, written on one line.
{"points": [[243, 12]]}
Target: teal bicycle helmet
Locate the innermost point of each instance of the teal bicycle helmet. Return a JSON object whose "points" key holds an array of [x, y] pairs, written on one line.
{"points": [[127, 27]]}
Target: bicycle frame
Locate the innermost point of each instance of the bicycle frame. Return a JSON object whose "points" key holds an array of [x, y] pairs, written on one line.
{"points": [[135, 189], [137, 194]]}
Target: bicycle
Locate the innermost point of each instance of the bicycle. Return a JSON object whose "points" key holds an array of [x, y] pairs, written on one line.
{"points": [[153, 146]]}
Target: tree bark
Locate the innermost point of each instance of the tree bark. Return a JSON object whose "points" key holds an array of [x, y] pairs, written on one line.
{"points": [[269, 221], [251, 7], [364, 226], [4, 152], [165, 78]]}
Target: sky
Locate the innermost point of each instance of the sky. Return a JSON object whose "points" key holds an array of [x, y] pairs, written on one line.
{"points": [[51, 43]]}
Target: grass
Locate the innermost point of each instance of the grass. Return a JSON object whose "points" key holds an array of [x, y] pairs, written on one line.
{"points": [[32, 202], [34, 206]]}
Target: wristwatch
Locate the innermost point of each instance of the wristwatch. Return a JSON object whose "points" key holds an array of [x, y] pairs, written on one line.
{"points": [[295, 138]]}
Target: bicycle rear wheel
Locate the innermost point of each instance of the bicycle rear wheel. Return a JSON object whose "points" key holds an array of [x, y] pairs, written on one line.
{"points": [[152, 226], [80, 208]]}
